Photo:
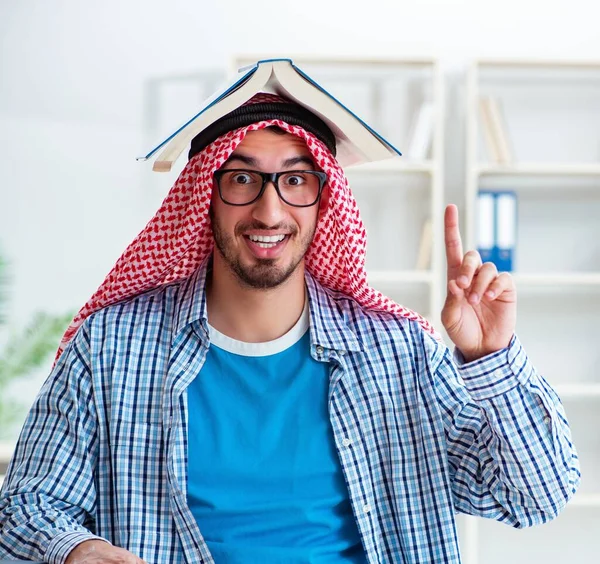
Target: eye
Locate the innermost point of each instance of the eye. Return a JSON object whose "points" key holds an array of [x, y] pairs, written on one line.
{"points": [[294, 179], [242, 178]]}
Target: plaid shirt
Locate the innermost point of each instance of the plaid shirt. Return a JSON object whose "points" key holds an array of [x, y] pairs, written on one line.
{"points": [[104, 449]]}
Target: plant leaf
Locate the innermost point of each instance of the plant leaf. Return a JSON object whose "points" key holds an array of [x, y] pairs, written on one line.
{"points": [[32, 347]]}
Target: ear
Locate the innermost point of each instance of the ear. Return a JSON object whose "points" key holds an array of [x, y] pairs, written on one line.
{"points": [[324, 201]]}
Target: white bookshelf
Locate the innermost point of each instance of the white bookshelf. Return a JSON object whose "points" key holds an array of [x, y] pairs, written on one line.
{"points": [[395, 196], [551, 113]]}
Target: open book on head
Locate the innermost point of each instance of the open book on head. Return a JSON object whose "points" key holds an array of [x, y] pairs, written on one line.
{"points": [[356, 142]]}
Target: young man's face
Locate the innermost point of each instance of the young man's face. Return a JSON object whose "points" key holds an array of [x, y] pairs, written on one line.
{"points": [[236, 229]]}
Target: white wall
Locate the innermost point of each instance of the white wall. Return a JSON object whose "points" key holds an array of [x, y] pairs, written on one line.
{"points": [[71, 194]]}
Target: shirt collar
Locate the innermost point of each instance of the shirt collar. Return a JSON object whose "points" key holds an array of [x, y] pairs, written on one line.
{"points": [[328, 319], [191, 304]]}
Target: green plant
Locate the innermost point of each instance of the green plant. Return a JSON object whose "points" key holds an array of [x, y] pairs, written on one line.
{"points": [[23, 352]]}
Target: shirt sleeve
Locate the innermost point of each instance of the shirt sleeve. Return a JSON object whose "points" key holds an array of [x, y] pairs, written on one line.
{"points": [[509, 442], [48, 496]]}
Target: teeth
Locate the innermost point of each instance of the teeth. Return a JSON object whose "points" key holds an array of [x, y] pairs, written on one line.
{"points": [[266, 239]]}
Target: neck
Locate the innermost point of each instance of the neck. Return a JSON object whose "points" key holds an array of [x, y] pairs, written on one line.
{"points": [[250, 314]]}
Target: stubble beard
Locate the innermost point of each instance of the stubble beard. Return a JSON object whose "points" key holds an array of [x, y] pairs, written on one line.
{"points": [[264, 273]]}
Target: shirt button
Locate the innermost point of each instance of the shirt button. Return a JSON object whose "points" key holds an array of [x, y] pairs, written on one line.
{"points": [[319, 349], [342, 353], [547, 420], [346, 442], [366, 508]]}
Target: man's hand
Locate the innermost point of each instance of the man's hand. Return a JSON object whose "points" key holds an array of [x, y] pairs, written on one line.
{"points": [[100, 552], [480, 312]]}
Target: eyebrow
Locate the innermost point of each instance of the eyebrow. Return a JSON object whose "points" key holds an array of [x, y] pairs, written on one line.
{"points": [[287, 163]]}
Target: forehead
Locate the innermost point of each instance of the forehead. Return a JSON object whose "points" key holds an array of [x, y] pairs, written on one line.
{"points": [[269, 142]]}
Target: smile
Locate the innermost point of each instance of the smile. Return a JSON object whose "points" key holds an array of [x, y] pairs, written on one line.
{"points": [[266, 241]]}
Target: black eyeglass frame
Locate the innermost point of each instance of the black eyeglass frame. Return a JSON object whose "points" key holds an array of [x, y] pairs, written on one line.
{"points": [[274, 178]]}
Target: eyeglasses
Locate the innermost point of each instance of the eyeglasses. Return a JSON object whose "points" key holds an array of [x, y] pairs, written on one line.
{"points": [[299, 188]]}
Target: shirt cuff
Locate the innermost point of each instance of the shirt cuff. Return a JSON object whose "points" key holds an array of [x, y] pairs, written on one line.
{"points": [[63, 543], [496, 373]]}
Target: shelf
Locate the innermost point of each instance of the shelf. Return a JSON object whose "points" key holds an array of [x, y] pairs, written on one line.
{"points": [[578, 391], [557, 279], [400, 277], [585, 500], [548, 110], [399, 164], [539, 169], [542, 63]]}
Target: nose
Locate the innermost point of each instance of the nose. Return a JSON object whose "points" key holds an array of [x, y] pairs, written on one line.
{"points": [[270, 208]]}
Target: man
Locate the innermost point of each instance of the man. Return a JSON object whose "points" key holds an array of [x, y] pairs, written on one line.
{"points": [[260, 403]]}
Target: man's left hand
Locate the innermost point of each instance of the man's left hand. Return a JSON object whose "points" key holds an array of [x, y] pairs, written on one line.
{"points": [[480, 312]]}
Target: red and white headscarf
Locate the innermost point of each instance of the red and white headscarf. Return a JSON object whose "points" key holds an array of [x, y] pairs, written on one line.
{"points": [[179, 237]]}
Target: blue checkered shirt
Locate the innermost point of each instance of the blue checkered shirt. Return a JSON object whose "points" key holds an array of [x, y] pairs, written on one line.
{"points": [[420, 437]]}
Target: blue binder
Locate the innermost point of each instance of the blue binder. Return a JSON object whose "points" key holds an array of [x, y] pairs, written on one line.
{"points": [[506, 230], [497, 228]]}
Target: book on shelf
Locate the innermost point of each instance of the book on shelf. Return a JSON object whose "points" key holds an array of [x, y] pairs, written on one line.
{"points": [[425, 246], [486, 130], [497, 228], [356, 141], [485, 225], [495, 132], [421, 132]]}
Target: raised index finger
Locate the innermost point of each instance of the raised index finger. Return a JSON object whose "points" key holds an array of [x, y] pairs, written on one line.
{"points": [[454, 249]]}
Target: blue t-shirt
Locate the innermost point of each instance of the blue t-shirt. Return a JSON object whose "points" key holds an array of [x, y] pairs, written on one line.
{"points": [[264, 480]]}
